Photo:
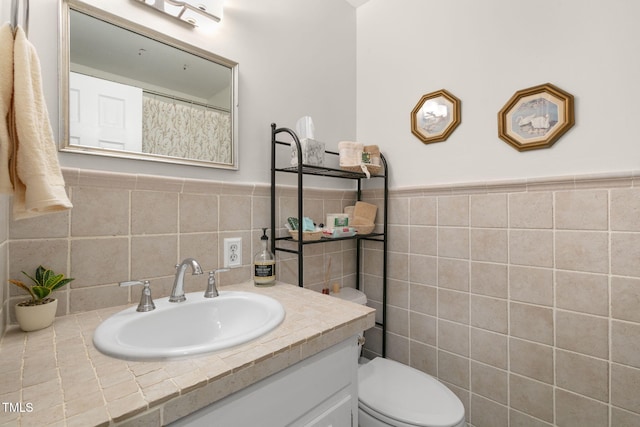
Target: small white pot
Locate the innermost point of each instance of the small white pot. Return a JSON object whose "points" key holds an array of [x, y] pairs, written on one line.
{"points": [[34, 317]]}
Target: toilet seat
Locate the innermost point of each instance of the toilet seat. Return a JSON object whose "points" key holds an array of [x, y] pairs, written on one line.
{"points": [[403, 396]]}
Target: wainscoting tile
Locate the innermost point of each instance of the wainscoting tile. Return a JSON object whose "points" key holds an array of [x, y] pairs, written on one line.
{"points": [[453, 242], [454, 369], [453, 211], [583, 334], [625, 209], [486, 413], [423, 328], [453, 274], [582, 210], [489, 210], [489, 245], [582, 374], [625, 387], [453, 305], [453, 337], [488, 347], [423, 299], [489, 382], [625, 252], [625, 298], [161, 206], [531, 360], [582, 292], [573, 410], [531, 285], [531, 323], [489, 279], [423, 211], [531, 247], [625, 343], [99, 261], [582, 251], [99, 212], [531, 397], [531, 210], [489, 313], [423, 240]]}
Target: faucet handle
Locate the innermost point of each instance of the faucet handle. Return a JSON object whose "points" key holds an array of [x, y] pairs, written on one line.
{"points": [[212, 290], [146, 302], [131, 283]]}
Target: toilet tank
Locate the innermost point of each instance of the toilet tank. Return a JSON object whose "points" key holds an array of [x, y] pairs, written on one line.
{"points": [[350, 294]]}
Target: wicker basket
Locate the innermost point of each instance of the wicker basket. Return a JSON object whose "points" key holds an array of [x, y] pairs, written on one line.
{"points": [[306, 235], [373, 169], [370, 159]]}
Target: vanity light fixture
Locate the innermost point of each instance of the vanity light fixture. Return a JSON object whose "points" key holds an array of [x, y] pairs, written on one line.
{"points": [[199, 13]]}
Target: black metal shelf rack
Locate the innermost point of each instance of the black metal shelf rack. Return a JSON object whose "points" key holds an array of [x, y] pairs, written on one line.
{"points": [[301, 170]]}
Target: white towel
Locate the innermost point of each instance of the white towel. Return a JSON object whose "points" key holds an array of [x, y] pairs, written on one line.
{"points": [[6, 91], [37, 179]]}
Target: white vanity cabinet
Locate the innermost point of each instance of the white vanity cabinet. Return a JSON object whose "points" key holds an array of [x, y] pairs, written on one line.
{"points": [[319, 391]]}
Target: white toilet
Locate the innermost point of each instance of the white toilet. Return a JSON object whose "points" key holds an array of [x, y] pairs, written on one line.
{"points": [[397, 395]]}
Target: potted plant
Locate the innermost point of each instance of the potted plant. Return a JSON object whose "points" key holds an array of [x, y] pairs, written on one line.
{"points": [[39, 311]]}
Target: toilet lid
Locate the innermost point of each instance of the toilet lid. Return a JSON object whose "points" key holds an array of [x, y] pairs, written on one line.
{"points": [[402, 393]]}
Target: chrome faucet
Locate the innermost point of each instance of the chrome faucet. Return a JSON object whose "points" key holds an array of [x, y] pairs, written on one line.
{"points": [[212, 290], [177, 293]]}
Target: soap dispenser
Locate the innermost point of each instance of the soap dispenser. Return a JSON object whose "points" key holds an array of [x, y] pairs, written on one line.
{"points": [[264, 265]]}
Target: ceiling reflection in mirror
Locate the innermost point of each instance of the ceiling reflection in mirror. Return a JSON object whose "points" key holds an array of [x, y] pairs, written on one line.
{"points": [[146, 96]]}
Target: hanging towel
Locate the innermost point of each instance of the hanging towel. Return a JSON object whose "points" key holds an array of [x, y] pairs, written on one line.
{"points": [[37, 180], [6, 91]]}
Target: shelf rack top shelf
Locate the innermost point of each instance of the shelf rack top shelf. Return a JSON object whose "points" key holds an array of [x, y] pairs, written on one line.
{"points": [[327, 171]]}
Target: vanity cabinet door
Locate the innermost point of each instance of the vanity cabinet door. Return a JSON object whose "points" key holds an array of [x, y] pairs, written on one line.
{"points": [[338, 415], [320, 391]]}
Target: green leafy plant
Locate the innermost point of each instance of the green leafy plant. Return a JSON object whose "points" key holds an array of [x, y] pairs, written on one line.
{"points": [[45, 281]]}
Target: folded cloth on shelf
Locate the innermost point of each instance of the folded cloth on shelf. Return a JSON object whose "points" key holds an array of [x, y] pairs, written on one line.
{"points": [[366, 211], [6, 91], [350, 153], [37, 179]]}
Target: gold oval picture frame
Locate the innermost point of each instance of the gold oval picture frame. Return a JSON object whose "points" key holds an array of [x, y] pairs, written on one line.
{"points": [[435, 116], [536, 117]]}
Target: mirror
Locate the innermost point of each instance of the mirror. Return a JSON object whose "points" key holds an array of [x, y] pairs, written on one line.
{"points": [[127, 91], [435, 116]]}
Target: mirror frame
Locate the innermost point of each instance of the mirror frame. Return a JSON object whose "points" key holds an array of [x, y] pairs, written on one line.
{"points": [[64, 69], [447, 128]]}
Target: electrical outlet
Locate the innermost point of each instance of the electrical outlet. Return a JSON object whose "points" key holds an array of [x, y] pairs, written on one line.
{"points": [[232, 252]]}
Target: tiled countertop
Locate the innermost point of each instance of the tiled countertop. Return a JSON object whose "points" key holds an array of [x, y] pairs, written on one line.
{"points": [[56, 377]]}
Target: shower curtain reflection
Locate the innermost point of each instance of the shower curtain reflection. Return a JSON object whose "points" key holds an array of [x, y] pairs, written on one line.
{"points": [[174, 128]]}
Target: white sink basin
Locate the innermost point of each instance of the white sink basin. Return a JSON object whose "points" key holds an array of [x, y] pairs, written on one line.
{"points": [[196, 326]]}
